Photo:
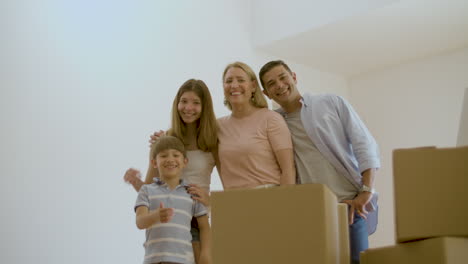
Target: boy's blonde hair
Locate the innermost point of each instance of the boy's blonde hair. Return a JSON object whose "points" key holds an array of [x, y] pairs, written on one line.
{"points": [[167, 142]]}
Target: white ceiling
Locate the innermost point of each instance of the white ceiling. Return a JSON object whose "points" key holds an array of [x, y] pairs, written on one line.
{"points": [[391, 35]]}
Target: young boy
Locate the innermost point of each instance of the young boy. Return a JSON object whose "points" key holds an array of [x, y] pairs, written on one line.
{"points": [[165, 209]]}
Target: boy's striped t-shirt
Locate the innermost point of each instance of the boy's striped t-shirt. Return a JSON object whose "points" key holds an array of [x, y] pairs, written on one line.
{"points": [[169, 242]]}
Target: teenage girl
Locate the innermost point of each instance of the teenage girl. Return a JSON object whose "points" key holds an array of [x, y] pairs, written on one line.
{"points": [[194, 122]]}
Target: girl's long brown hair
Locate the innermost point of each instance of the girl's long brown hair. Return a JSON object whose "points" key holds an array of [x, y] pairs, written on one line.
{"points": [[207, 128]]}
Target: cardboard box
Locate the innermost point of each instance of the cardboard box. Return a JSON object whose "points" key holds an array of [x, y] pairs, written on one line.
{"points": [[345, 254], [287, 224], [440, 250], [430, 192]]}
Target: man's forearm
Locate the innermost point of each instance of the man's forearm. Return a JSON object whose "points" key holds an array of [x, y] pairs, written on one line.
{"points": [[368, 177]]}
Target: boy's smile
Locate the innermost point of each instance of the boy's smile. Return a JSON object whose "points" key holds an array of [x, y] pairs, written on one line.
{"points": [[170, 163]]}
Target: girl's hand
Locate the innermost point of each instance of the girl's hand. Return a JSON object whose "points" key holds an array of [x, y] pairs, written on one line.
{"points": [[132, 176], [155, 136], [199, 194]]}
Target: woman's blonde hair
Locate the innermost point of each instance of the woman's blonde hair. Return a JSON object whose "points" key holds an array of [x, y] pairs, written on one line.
{"points": [[207, 128], [258, 99]]}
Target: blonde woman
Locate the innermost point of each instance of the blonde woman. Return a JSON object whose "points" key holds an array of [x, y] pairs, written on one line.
{"points": [[255, 147]]}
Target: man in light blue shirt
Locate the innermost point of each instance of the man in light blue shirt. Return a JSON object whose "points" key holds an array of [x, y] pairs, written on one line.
{"points": [[332, 146]]}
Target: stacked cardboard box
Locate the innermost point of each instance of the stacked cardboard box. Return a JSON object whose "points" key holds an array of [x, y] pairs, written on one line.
{"points": [[287, 224], [440, 250], [431, 208]]}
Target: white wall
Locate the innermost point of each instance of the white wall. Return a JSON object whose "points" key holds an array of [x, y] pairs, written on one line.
{"points": [[415, 104], [84, 83], [82, 86], [274, 20], [462, 139], [313, 81]]}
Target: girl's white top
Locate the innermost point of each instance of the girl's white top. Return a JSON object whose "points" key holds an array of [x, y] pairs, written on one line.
{"points": [[199, 168]]}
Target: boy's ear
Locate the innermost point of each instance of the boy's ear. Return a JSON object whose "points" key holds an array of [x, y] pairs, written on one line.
{"points": [[265, 92], [185, 161]]}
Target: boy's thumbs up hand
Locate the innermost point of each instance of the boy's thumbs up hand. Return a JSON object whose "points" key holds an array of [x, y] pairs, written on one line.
{"points": [[165, 214]]}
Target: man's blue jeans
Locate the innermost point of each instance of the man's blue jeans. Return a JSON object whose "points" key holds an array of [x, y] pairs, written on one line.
{"points": [[358, 238]]}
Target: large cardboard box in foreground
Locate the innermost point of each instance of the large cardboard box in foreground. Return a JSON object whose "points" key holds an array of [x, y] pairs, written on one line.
{"points": [[431, 198], [343, 236], [440, 250], [286, 224]]}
